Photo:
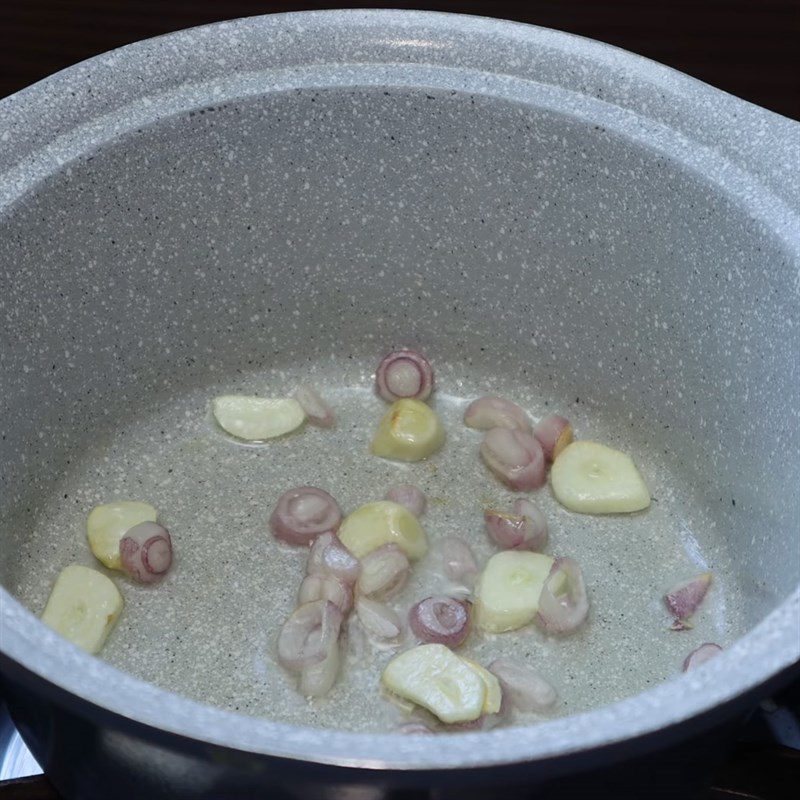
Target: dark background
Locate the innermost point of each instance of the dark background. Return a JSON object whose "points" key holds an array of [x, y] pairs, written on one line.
{"points": [[746, 47]]}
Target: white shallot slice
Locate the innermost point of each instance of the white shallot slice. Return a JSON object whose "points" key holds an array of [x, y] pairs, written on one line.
{"points": [[525, 529], [378, 619], [383, 571], [404, 375], [523, 688], [357, 645], [413, 728], [700, 655], [536, 524], [326, 587], [685, 598], [440, 620], [515, 457], [459, 562], [496, 412], [319, 413], [409, 496], [316, 680], [563, 603], [305, 637], [303, 513], [329, 556], [145, 552], [554, 434]]}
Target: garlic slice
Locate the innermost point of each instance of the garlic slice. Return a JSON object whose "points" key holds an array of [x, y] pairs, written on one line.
{"points": [[256, 419]]}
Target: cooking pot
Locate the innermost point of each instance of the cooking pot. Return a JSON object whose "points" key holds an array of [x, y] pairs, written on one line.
{"points": [[245, 204]]}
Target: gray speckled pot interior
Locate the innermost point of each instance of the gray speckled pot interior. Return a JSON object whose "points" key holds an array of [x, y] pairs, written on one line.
{"points": [[239, 207]]}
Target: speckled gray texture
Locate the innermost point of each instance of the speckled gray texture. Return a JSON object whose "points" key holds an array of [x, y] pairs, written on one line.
{"points": [[586, 229], [209, 631]]}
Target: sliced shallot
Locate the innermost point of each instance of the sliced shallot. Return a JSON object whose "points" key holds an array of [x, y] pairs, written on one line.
{"points": [[563, 603], [413, 728], [357, 644], [554, 433], [536, 524], [378, 619], [515, 457], [305, 637], [316, 680], [326, 587], [319, 413], [304, 513], [459, 562], [409, 496], [383, 571], [329, 556], [702, 654], [440, 620], [404, 374], [523, 688], [496, 412], [685, 598], [505, 530], [146, 552], [525, 529]]}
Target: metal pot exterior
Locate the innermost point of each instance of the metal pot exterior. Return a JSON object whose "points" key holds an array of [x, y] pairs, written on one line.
{"points": [[90, 755]]}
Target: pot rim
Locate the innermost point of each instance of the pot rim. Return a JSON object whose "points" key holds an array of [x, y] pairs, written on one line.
{"points": [[742, 147]]}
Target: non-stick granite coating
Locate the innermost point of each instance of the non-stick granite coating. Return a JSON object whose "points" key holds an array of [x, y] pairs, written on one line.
{"points": [[277, 240], [570, 246], [209, 629]]}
